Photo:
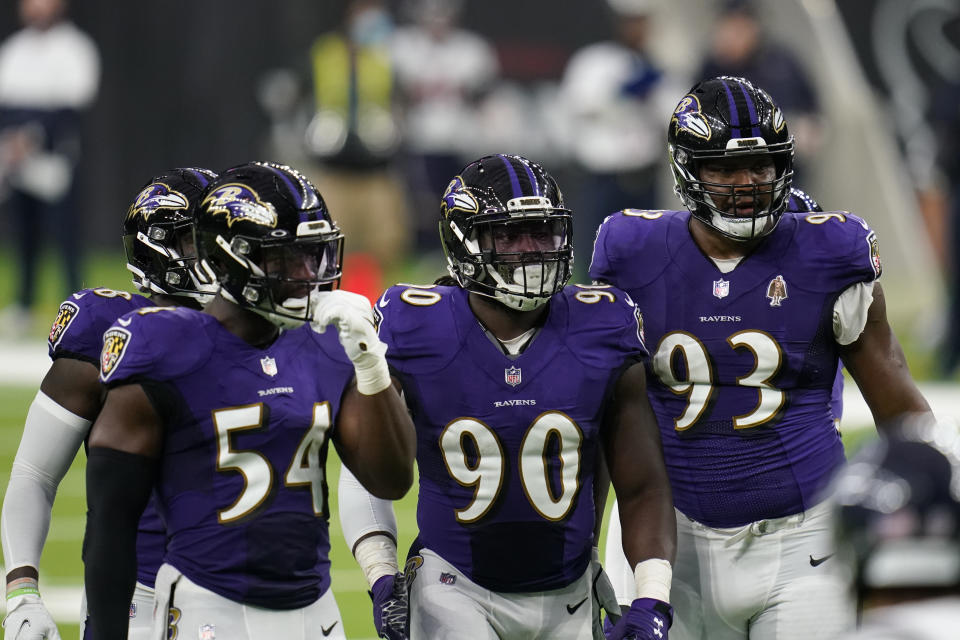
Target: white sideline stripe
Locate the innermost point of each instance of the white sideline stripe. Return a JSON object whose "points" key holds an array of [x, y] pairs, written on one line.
{"points": [[23, 363], [943, 397]]}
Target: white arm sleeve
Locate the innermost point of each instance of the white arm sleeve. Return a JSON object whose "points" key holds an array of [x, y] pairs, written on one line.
{"points": [[850, 312], [362, 514], [369, 527], [615, 561], [51, 437]]}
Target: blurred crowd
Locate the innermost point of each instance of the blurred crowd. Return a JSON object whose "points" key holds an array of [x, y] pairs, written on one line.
{"points": [[396, 102]]}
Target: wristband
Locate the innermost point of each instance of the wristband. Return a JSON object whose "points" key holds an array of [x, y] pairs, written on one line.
{"points": [[653, 579], [373, 378], [23, 591], [22, 587], [377, 557]]}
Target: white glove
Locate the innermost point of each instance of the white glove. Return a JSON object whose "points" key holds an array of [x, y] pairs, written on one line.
{"points": [[28, 619], [353, 317]]}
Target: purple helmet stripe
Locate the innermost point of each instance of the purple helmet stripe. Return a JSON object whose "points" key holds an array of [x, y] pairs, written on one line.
{"points": [[203, 177], [752, 109], [514, 181], [533, 180], [293, 188], [734, 115]]}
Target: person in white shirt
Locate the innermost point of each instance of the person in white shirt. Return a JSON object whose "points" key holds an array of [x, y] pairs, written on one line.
{"points": [[444, 74], [49, 74]]}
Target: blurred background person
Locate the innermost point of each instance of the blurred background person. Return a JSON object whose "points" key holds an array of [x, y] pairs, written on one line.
{"points": [[49, 74], [945, 121], [898, 525], [740, 46], [615, 95], [443, 74], [354, 138]]}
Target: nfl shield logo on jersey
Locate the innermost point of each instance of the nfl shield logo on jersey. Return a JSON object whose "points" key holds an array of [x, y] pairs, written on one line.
{"points": [[269, 365], [207, 632], [512, 376], [721, 288]]}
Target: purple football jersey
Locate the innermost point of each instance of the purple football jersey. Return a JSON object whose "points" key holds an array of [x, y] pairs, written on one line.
{"points": [[743, 363], [802, 202], [78, 333], [507, 445], [242, 486]]}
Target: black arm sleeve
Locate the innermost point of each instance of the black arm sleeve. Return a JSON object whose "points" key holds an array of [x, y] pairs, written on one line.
{"points": [[118, 489]]}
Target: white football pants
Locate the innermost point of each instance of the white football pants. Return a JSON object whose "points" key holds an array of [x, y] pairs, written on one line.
{"points": [[187, 610], [770, 580], [446, 605]]}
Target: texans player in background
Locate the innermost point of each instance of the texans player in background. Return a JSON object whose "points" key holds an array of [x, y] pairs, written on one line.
{"points": [[228, 414], [898, 531], [517, 384], [750, 310], [158, 240]]}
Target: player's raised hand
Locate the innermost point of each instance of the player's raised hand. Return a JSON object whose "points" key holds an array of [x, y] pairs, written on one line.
{"points": [[28, 619], [352, 316], [646, 619], [391, 607]]}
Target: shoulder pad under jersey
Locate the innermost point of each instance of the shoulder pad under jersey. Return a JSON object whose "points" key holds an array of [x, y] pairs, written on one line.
{"points": [[156, 343]]}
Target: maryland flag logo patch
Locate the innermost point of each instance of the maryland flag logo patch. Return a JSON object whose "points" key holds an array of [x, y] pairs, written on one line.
{"points": [[115, 342], [875, 253], [67, 313]]}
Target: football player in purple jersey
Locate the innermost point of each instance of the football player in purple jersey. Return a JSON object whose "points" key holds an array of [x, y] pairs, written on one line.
{"points": [[750, 309], [517, 385], [226, 415], [158, 239]]}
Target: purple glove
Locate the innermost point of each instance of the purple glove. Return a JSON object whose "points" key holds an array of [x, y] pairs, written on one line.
{"points": [[646, 619], [611, 620], [390, 606]]}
